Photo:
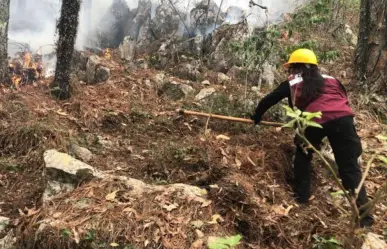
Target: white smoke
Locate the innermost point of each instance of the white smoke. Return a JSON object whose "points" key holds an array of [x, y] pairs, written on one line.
{"points": [[34, 21]]}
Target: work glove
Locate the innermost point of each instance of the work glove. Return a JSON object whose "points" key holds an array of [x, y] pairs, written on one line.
{"points": [[256, 118]]}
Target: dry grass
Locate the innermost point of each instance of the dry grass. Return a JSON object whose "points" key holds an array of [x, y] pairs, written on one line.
{"points": [[85, 218]]}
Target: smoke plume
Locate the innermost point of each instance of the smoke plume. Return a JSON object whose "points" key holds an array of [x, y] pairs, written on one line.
{"points": [[33, 22]]}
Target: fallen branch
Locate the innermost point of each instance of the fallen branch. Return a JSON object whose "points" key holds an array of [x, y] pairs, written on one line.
{"points": [[252, 3]]}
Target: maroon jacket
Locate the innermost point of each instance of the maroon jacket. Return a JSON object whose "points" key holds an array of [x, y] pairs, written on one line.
{"points": [[333, 102]]}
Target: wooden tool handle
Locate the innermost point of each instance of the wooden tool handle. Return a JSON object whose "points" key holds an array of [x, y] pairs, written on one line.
{"points": [[229, 118]]}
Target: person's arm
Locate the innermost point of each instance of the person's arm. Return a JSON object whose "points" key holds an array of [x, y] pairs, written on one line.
{"points": [[279, 93]]}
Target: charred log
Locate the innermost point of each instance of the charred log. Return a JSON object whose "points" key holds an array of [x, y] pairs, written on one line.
{"points": [[4, 19], [67, 28], [371, 52]]}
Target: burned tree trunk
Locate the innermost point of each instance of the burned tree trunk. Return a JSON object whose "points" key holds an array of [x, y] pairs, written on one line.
{"points": [[4, 18], [67, 29], [371, 52]]}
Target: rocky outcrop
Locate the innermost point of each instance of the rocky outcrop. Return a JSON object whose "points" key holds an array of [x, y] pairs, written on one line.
{"points": [[82, 153], [91, 67], [175, 91], [128, 48], [101, 74], [222, 58], [165, 22], [267, 75], [204, 17], [204, 93], [223, 79], [62, 169], [139, 26], [188, 71], [65, 172], [95, 72]]}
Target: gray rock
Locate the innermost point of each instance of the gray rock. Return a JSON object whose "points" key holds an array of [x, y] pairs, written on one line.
{"points": [[106, 143], [205, 14], [63, 168], [102, 74], [159, 79], [148, 83], [4, 222], [175, 91], [128, 48], [374, 241], [81, 75], [186, 89], [141, 18], [79, 60], [204, 93], [343, 74], [222, 58], [165, 22], [142, 63], [91, 68], [65, 172], [255, 89], [81, 152], [8, 241], [54, 188], [188, 71], [378, 98], [267, 75], [222, 78], [350, 34], [206, 83]]}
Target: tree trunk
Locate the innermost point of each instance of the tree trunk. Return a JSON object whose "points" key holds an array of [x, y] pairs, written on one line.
{"points": [[4, 18], [67, 29], [371, 52]]}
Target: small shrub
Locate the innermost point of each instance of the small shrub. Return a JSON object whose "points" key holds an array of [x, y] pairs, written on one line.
{"points": [[322, 243]]}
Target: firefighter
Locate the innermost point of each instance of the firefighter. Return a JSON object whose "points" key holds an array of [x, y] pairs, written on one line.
{"points": [[309, 91]]}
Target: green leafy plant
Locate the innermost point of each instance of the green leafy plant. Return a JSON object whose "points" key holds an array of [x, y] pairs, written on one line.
{"points": [[224, 242], [322, 243], [90, 235], [255, 50], [66, 233], [314, 13]]}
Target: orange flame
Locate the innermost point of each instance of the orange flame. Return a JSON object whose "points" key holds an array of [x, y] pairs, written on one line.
{"points": [[27, 60], [16, 79]]}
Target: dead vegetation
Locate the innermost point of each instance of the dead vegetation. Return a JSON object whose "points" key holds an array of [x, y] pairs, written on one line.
{"points": [[132, 133], [133, 130]]}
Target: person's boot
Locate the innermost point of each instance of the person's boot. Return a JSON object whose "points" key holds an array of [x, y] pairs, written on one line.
{"points": [[367, 221]]}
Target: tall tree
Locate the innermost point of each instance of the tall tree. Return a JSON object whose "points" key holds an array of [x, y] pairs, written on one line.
{"points": [[4, 19], [371, 52], [67, 29]]}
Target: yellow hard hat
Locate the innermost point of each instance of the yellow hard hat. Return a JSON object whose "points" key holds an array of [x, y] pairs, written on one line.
{"points": [[302, 55]]}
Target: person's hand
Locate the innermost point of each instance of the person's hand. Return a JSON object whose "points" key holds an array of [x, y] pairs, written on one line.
{"points": [[256, 118]]}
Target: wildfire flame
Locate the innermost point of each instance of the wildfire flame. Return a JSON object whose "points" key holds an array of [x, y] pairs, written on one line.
{"points": [[16, 79], [27, 60], [25, 71], [107, 53]]}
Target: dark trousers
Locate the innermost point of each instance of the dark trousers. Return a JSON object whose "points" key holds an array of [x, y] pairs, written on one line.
{"points": [[346, 147]]}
